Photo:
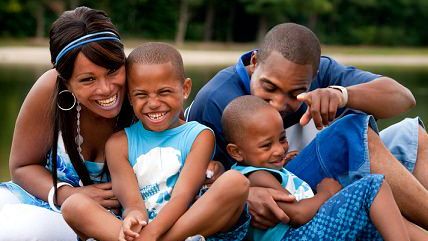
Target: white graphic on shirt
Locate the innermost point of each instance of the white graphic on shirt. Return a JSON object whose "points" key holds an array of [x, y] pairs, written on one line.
{"points": [[156, 172]]}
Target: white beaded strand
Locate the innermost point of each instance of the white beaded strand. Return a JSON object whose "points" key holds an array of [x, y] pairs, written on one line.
{"points": [[79, 138]]}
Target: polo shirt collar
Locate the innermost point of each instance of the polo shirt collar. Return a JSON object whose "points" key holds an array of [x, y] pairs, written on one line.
{"points": [[242, 71]]}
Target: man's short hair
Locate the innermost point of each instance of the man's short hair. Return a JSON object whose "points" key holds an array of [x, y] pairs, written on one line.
{"points": [[157, 53], [294, 42], [237, 113]]}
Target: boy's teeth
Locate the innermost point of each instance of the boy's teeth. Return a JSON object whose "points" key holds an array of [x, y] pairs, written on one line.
{"points": [[107, 102], [156, 116]]}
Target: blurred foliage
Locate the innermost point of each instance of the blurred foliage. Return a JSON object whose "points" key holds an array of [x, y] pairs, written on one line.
{"points": [[349, 22]]}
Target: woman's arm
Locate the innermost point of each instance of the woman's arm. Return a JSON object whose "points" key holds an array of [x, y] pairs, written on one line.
{"points": [[189, 182], [32, 138], [299, 212]]}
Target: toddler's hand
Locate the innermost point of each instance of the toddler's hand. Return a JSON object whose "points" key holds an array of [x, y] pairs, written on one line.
{"points": [[329, 186], [290, 155], [131, 226]]}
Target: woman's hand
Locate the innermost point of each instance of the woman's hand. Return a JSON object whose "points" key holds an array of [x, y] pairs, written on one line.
{"points": [[102, 193]]}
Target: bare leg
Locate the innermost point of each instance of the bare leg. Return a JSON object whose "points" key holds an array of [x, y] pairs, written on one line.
{"points": [[386, 216], [410, 195], [90, 220], [217, 210], [416, 233], [421, 167]]}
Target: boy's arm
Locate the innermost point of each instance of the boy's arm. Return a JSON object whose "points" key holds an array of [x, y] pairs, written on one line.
{"points": [[188, 184], [124, 182], [298, 212]]}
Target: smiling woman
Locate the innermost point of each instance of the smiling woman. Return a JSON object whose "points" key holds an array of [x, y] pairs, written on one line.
{"points": [[63, 125]]}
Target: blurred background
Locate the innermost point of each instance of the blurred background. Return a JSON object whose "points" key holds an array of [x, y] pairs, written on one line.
{"points": [[387, 37]]}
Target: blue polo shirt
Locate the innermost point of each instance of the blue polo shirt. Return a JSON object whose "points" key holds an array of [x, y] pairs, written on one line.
{"points": [[234, 81]]}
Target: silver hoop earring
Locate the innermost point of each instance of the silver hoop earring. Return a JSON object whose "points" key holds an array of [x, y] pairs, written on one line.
{"points": [[74, 100]]}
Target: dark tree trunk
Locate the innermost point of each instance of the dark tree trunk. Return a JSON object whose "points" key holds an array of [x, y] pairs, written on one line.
{"points": [[230, 22], [262, 28], [209, 20], [182, 23], [39, 14]]}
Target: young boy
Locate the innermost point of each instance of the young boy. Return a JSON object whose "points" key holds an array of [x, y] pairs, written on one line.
{"points": [[257, 141], [158, 165]]}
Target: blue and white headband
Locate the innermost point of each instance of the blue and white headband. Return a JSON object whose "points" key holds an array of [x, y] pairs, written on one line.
{"points": [[86, 39]]}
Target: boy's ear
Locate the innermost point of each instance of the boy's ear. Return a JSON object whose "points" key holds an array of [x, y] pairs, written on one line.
{"points": [[234, 152], [187, 88]]}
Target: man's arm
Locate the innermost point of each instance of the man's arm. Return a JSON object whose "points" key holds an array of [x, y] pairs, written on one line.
{"points": [[299, 212], [377, 95], [382, 97]]}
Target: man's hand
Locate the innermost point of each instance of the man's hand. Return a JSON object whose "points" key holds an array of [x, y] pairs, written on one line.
{"points": [[264, 209], [322, 106]]}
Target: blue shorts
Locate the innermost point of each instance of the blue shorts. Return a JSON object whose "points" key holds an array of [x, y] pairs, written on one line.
{"points": [[340, 151], [345, 216], [402, 140]]}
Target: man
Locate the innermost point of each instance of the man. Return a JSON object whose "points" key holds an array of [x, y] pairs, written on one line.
{"points": [[288, 72]]}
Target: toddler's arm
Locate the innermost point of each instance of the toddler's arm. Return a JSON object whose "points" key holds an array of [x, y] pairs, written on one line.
{"points": [[299, 212]]}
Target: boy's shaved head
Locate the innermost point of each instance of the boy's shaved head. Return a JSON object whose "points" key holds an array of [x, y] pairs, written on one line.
{"points": [[239, 112], [157, 53], [294, 42]]}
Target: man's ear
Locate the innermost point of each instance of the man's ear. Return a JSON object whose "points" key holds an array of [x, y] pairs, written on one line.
{"points": [[187, 88], [234, 152], [253, 62]]}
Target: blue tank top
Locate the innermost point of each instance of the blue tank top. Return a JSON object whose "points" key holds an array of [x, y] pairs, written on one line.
{"points": [[296, 186], [157, 159]]}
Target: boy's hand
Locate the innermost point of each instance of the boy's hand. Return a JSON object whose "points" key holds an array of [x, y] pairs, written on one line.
{"points": [[131, 226], [264, 209], [329, 186]]}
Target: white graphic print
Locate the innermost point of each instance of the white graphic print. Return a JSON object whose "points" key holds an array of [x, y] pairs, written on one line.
{"points": [[156, 172]]}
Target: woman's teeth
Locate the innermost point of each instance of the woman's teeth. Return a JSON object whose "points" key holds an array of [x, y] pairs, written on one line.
{"points": [[107, 102]]}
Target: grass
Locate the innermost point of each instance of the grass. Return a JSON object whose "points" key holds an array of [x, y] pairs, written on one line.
{"points": [[220, 46]]}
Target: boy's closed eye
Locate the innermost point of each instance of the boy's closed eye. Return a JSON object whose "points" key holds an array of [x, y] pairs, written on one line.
{"points": [[266, 145], [165, 92]]}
